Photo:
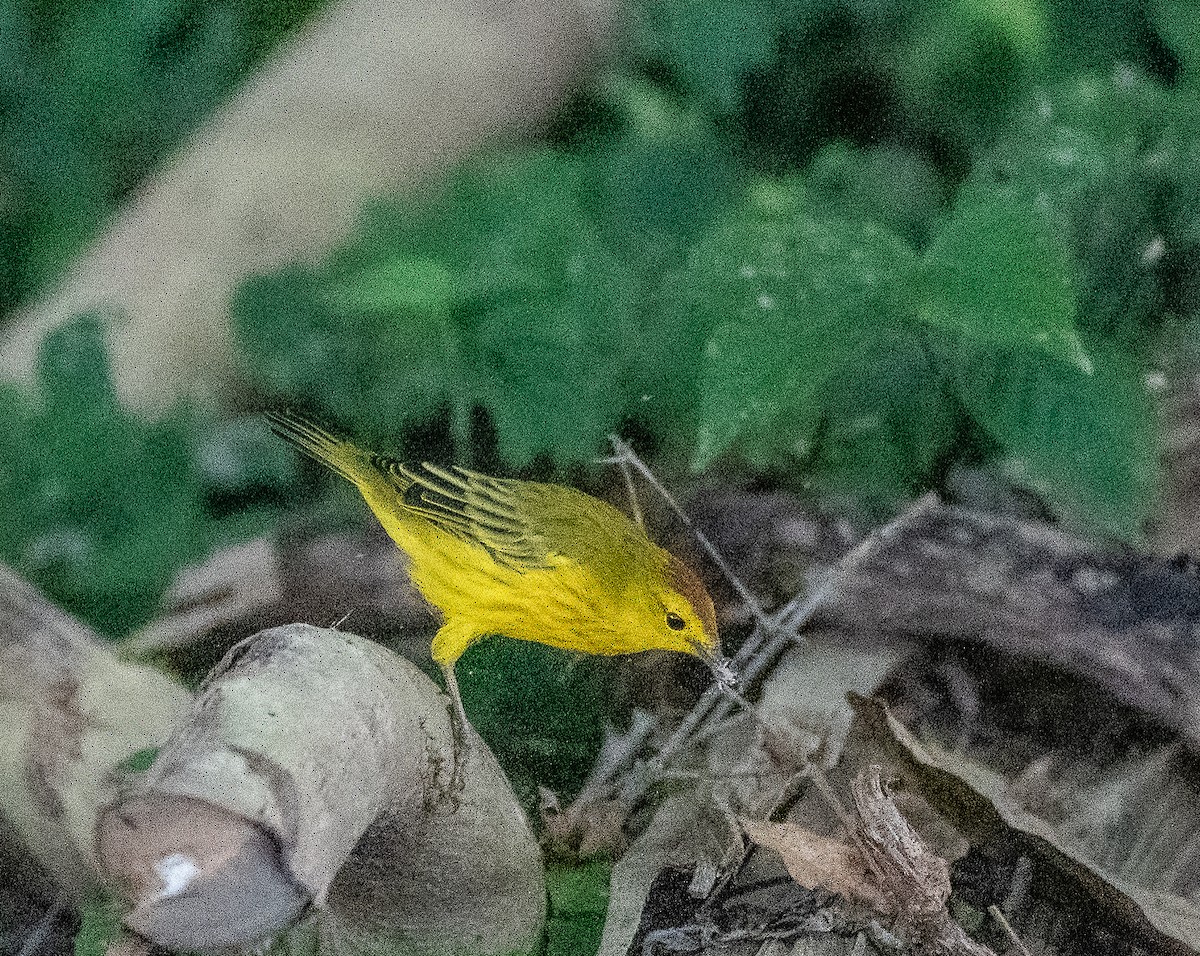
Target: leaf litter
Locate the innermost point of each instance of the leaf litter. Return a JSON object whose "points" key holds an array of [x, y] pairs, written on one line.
{"points": [[1022, 839]]}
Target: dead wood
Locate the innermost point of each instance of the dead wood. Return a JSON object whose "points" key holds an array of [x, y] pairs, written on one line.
{"points": [[975, 803], [1121, 621], [888, 864], [356, 578], [313, 774], [70, 714], [1107, 627], [883, 864], [740, 772], [1126, 622]]}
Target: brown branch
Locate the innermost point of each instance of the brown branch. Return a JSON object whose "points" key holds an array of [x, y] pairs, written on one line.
{"points": [[318, 578], [1121, 620]]}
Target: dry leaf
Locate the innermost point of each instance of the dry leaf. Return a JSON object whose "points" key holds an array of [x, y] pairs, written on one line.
{"points": [[970, 798], [889, 868], [816, 861]]}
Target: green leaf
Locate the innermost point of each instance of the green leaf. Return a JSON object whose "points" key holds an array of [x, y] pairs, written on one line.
{"points": [[101, 924], [289, 341], [138, 762], [400, 284], [961, 63], [1086, 443], [650, 197], [111, 507], [94, 96], [377, 366], [578, 905], [545, 307], [1088, 154], [18, 468], [1177, 22], [495, 221], [894, 186], [710, 45], [499, 293], [1172, 253], [73, 368], [793, 303], [551, 362], [996, 274], [889, 419]]}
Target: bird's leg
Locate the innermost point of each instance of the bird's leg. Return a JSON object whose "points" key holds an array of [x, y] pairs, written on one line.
{"points": [[451, 640], [458, 725]]}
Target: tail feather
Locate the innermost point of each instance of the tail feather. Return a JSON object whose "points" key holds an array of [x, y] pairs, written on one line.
{"points": [[334, 451]]}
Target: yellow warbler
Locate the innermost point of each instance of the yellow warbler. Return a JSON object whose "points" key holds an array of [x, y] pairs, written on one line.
{"points": [[536, 562]]}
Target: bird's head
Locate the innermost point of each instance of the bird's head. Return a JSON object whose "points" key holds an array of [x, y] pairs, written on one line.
{"points": [[686, 621]]}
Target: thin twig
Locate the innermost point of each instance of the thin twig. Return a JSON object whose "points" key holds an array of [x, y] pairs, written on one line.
{"points": [[711, 711], [771, 635], [689, 728], [623, 464], [627, 454], [766, 646], [998, 915], [829, 795], [624, 457], [615, 755]]}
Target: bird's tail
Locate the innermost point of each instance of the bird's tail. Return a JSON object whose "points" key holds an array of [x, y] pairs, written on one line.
{"points": [[317, 441]]}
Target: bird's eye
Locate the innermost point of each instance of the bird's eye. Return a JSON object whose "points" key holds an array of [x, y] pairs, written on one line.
{"points": [[675, 622]]}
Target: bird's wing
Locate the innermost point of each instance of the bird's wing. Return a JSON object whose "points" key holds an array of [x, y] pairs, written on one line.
{"points": [[523, 524]]}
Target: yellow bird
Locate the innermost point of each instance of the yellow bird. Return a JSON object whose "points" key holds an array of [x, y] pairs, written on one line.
{"points": [[531, 561]]}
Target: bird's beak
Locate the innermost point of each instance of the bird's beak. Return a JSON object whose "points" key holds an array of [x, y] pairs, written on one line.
{"points": [[705, 653]]}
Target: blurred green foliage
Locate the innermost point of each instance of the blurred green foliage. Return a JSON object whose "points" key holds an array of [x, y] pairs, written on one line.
{"points": [[846, 244], [109, 507], [843, 245], [101, 925], [93, 94], [578, 903], [541, 710]]}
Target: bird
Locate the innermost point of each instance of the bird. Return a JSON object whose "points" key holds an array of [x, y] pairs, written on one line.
{"points": [[526, 560]]}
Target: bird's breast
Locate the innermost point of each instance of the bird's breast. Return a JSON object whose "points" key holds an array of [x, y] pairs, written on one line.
{"points": [[563, 605]]}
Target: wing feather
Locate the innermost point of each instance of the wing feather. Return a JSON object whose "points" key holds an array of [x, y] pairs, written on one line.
{"points": [[523, 525]]}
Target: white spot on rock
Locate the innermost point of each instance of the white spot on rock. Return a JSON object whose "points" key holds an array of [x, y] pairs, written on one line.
{"points": [[177, 872]]}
